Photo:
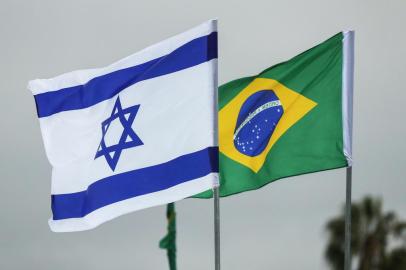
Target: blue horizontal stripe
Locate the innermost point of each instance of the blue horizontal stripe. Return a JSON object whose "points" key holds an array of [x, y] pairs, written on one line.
{"points": [[101, 88], [135, 183]]}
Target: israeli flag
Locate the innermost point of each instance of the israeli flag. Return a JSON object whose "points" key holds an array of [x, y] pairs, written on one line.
{"points": [[135, 134]]}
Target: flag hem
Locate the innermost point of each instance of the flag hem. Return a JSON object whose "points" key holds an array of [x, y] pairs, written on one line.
{"points": [[216, 181], [347, 93]]}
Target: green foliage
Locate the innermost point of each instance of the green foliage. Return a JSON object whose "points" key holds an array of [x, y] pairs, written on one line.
{"points": [[371, 229], [396, 260]]}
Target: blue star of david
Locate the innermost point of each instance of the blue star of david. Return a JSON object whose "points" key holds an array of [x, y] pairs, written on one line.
{"points": [[128, 138]]}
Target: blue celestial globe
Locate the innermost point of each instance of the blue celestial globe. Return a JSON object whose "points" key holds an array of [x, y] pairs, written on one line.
{"points": [[258, 117]]}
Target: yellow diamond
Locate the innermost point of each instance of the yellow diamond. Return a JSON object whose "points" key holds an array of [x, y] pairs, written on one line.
{"points": [[295, 106]]}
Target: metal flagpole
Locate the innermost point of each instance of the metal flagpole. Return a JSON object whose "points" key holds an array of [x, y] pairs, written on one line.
{"points": [[216, 195], [348, 88], [347, 245], [216, 188]]}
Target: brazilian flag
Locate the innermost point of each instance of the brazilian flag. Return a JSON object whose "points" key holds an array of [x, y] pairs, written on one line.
{"points": [[293, 118]]}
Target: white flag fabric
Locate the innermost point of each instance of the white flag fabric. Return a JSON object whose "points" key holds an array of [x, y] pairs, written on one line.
{"points": [[135, 134]]}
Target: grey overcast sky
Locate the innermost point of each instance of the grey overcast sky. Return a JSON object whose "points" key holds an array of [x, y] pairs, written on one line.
{"points": [[280, 226]]}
